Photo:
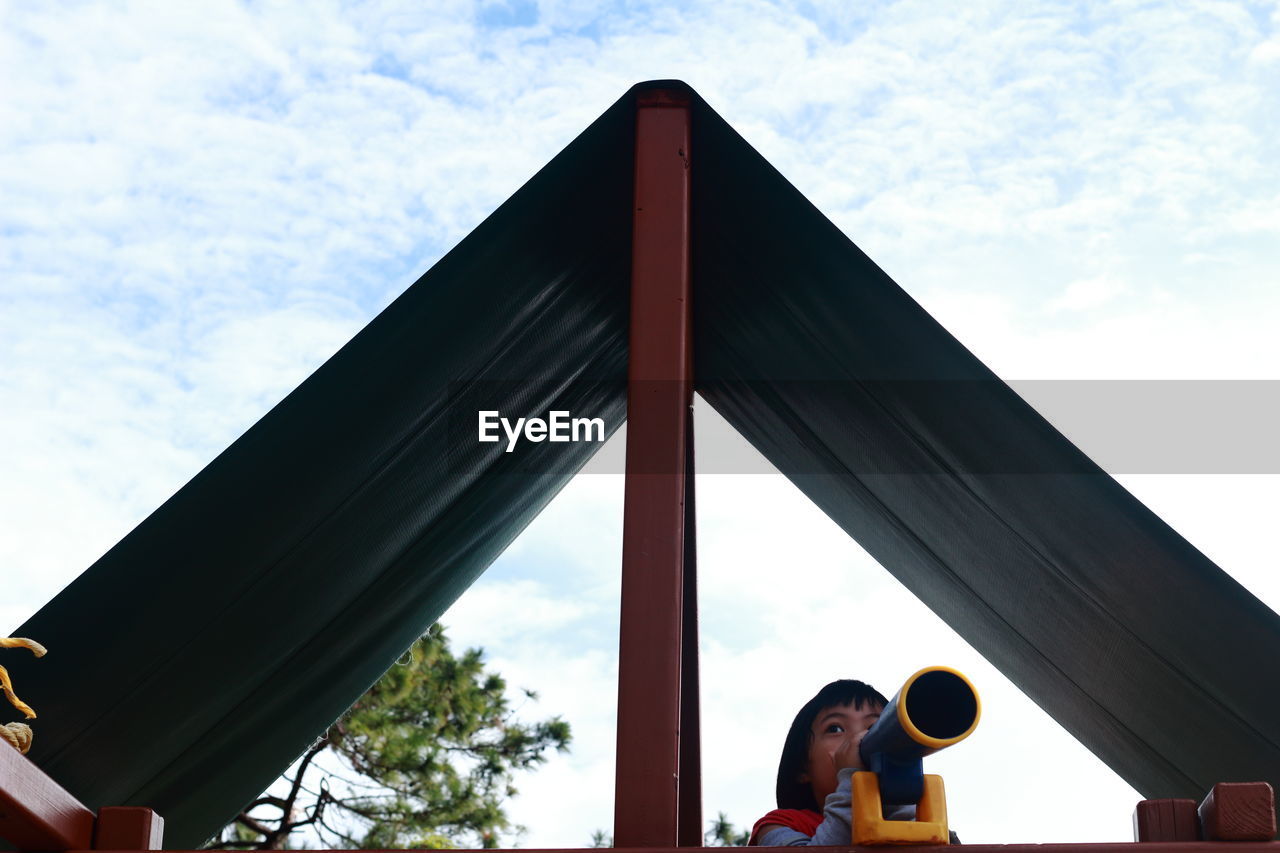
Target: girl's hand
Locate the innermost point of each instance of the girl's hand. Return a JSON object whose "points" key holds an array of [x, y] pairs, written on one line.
{"points": [[846, 755]]}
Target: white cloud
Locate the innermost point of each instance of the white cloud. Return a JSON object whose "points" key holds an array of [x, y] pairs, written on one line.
{"points": [[1087, 293], [510, 611]]}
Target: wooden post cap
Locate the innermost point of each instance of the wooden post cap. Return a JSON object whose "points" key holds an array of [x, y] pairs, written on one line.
{"points": [[127, 828], [1239, 811], [1166, 820]]}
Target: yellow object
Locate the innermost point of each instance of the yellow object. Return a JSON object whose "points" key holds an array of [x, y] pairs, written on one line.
{"points": [[926, 740], [17, 735], [870, 826]]}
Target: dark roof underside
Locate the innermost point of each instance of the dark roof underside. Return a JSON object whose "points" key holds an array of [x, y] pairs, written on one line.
{"points": [[207, 649]]}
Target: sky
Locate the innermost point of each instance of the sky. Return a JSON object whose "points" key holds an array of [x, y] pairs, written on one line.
{"points": [[199, 205]]}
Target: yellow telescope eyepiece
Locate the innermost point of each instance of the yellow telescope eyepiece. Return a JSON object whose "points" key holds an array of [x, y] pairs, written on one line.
{"points": [[937, 707]]}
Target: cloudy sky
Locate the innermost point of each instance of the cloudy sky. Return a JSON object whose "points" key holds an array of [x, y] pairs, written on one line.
{"points": [[199, 203]]}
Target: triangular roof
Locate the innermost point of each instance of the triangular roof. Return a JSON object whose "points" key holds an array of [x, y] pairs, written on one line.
{"points": [[201, 654]]}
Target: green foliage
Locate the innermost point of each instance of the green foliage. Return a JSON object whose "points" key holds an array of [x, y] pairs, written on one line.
{"points": [[723, 833], [434, 746]]}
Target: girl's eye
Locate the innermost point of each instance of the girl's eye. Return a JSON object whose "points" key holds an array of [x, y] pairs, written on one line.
{"points": [[835, 728]]}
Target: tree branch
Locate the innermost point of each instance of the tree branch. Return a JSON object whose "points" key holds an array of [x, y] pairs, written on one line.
{"points": [[266, 801], [314, 750]]}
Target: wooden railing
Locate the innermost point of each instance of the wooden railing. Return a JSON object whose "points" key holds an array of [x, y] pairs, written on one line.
{"points": [[36, 813]]}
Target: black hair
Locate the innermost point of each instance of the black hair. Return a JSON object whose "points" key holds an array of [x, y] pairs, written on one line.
{"points": [[791, 792]]}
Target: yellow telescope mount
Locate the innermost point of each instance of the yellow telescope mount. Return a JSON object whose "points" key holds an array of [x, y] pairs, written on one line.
{"points": [[935, 708]]}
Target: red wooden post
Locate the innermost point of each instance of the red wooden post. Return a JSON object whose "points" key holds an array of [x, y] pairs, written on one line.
{"points": [[660, 388], [1166, 820], [1239, 811]]}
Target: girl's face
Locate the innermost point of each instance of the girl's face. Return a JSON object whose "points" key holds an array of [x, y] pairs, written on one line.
{"points": [[831, 728]]}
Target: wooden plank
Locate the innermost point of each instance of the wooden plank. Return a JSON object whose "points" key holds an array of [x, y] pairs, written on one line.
{"points": [[36, 813], [1239, 811], [128, 828], [1115, 847], [1166, 820], [1093, 847]]}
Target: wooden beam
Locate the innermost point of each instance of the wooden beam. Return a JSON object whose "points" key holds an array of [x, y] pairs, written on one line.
{"points": [[36, 813], [659, 393]]}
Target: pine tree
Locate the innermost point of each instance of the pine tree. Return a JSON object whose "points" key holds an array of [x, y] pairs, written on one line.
{"points": [[425, 758]]}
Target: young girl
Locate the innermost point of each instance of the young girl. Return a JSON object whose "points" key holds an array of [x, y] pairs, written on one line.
{"points": [[819, 758]]}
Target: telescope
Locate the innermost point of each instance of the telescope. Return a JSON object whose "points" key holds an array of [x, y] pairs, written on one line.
{"points": [[936, 708]]}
